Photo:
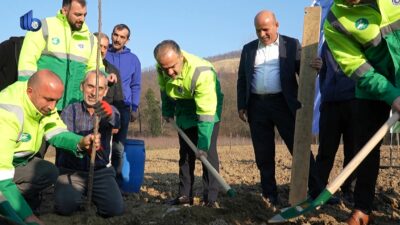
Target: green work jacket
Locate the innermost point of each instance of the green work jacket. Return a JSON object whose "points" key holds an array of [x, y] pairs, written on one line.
{"points": [[194, 97], [69, 54], [23, 128], [365, 41]]}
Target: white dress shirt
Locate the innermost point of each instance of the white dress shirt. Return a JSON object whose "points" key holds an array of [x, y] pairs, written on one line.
{"points": [[266, 77]]}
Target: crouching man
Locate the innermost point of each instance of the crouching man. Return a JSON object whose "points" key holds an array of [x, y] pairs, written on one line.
{"points": [[27, 114], [71, 186]]}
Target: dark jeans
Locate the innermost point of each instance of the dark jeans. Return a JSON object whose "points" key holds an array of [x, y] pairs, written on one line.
{"points": [[33, 178], [371, 115], [119, 142], [71, 187], [336, 119], [187, 161], [264, 115]]}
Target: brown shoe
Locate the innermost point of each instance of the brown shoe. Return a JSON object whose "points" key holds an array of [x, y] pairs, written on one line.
{"points": [[358, 218]]}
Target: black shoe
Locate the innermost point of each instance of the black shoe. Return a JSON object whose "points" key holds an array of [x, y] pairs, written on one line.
{"points": [[182, 200], [348, 196], [271, 199]]}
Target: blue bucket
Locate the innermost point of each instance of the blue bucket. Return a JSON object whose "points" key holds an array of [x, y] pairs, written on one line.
{"points": [[133, 165]]}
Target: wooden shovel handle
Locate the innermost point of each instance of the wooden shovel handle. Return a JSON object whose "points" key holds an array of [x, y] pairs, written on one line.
{"points": [[362, 154], [204, 160]]}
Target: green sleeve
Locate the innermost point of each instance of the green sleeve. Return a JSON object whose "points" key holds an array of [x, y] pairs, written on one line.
{"points": [[205, 130], [31, 50], [14, 197], [352, 59], [167, 105], [378, 85], [67, 141]]}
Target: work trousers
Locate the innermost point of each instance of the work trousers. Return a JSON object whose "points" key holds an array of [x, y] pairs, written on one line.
{"points": [[336, 120], [264, 114], [187, 160], [72, 185], [118, 142], [370, 116], [33, 178]]}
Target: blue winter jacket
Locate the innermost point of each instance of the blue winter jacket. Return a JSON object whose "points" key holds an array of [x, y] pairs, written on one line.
{"points": [[334, 84], [130, 72]]}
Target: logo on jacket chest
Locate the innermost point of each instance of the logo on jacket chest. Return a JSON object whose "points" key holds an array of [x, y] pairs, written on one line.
{"points": [[25, 137], [361, 24], [396, 2], [179, 89], [80, 46], [55, 40]]}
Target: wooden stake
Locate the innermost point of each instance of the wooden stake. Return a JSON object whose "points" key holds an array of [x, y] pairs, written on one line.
{"points": [[96, 121], [303, 128]]}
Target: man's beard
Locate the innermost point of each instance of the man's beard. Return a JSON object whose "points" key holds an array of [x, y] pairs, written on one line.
{"points": [[75, 27]]}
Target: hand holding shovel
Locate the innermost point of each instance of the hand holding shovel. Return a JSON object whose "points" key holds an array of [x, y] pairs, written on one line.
{"points": [[231, 192]]}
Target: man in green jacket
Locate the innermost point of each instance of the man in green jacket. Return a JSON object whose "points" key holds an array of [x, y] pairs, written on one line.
{"points": [[27, 114], [364, 36], [63, 45], [190, 91]]}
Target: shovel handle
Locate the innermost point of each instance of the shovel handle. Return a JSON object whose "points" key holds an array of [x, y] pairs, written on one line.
{"points": [[231, 192], [362, 154]]}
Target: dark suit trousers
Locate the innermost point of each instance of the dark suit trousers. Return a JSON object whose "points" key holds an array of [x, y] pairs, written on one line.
{"points": [[187, 163], [264, 115], [336, 120], [370, 117]]}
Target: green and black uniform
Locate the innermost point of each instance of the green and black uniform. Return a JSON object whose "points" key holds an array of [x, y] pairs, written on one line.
{"points": [[69, 54], [365, 41], [194, 97], [23, 128]]}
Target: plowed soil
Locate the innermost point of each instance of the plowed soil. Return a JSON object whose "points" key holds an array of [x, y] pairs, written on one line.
{"points": [[239, 170]]}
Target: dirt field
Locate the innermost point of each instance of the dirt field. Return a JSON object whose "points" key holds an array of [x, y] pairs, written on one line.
{"points": [[239, 170]]}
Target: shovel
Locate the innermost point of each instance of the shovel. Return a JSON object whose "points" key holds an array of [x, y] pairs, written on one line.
{"points": [[332, 187], [229, 191]]}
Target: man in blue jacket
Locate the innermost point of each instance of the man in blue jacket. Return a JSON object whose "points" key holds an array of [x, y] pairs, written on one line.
{"points": [[128, 65]]}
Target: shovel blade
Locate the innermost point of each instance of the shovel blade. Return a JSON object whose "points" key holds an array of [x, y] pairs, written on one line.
{"points": [[301, 208]]}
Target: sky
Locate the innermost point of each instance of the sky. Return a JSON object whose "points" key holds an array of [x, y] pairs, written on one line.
{"points": [[202, 27]]}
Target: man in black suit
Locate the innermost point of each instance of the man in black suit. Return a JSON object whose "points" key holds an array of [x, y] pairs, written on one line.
{"points": [[267, 97]]}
